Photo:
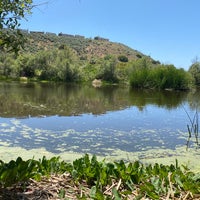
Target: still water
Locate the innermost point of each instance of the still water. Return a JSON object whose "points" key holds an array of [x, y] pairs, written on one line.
{"points": [[112, 122]]}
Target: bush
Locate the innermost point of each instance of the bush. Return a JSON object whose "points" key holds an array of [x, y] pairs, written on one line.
{"points": [[138, 56], [122, 58], [155, 62], [138, 78], [161, 77]]}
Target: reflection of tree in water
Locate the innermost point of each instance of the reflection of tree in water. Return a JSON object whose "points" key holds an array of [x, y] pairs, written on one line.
{"points": [[166, 99], [193, 99], [37, 99]]}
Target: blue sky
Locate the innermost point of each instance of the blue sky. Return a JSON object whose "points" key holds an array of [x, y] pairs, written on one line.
{"points": [[166, 30]]}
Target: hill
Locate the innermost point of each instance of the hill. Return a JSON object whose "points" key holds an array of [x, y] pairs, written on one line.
{"points": [[86, 48]]}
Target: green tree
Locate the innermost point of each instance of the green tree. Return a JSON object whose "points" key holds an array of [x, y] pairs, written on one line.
{"points": [[8, 65], [195, 72], [65, 65], [11, 12], [25, 65], [108, 71]]}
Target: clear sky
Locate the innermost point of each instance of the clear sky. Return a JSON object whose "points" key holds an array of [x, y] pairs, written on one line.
{"points": [[166, 30]]}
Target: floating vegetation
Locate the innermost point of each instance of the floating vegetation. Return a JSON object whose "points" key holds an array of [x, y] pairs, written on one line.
{"points": [[36, 137]]}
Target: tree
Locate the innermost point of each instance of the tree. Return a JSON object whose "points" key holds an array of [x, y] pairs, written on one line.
{"points": [[11, 12], [108, 71], [195, 71]]}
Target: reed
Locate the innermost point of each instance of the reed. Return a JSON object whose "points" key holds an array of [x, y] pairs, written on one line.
{"points": [[193, 127]]}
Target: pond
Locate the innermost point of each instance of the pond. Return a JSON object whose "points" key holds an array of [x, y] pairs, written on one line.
{"points": [[113, 122]]}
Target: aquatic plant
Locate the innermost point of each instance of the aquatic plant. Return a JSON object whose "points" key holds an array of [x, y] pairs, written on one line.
{"points": [[193, 127], [88, 178]]}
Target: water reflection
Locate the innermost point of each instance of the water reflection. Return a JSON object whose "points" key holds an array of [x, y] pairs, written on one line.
{"points": [[193, 99], [47, 99], [166, 99]]}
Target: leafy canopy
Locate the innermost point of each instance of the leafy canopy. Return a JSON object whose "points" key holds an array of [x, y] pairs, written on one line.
{"points": [[11, 12], [195, 72]]}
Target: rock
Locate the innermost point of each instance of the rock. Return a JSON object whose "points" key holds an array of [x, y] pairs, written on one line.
{"points": [[23, 79], [97, 83]]}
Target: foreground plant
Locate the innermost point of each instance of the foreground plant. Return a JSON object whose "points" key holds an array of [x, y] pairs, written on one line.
{"points": [[88, 178]]}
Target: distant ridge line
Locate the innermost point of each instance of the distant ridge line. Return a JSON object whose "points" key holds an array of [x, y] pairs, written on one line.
{"points": [[61, 34]]}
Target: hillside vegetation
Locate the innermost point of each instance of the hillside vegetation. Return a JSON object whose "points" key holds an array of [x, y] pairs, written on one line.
{"points": [[74, 58], [85, 48]]}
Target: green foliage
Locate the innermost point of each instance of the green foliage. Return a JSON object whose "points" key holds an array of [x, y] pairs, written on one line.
{"points": [[195, 72], [86, 169], [20, 170], [122, 72], [56, 65], [151, 181], [11, 12], [144, 75], [46, 167], [26, 67], [108, 71], [63, 64], [16, 171], [7, 65]]}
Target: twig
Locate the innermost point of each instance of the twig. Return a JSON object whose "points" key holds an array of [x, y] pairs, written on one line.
{"points": [[118, 185], [171, 192], [186, 196], [109, 188]]}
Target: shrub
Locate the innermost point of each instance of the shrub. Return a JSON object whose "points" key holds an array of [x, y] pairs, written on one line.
{"points": [[155, 62], [161, 77], [122, 58], [138, 56], [138, 78]]}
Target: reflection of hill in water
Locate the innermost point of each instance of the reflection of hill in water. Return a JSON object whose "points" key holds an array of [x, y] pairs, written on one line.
{"points": [[37, 99]]}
